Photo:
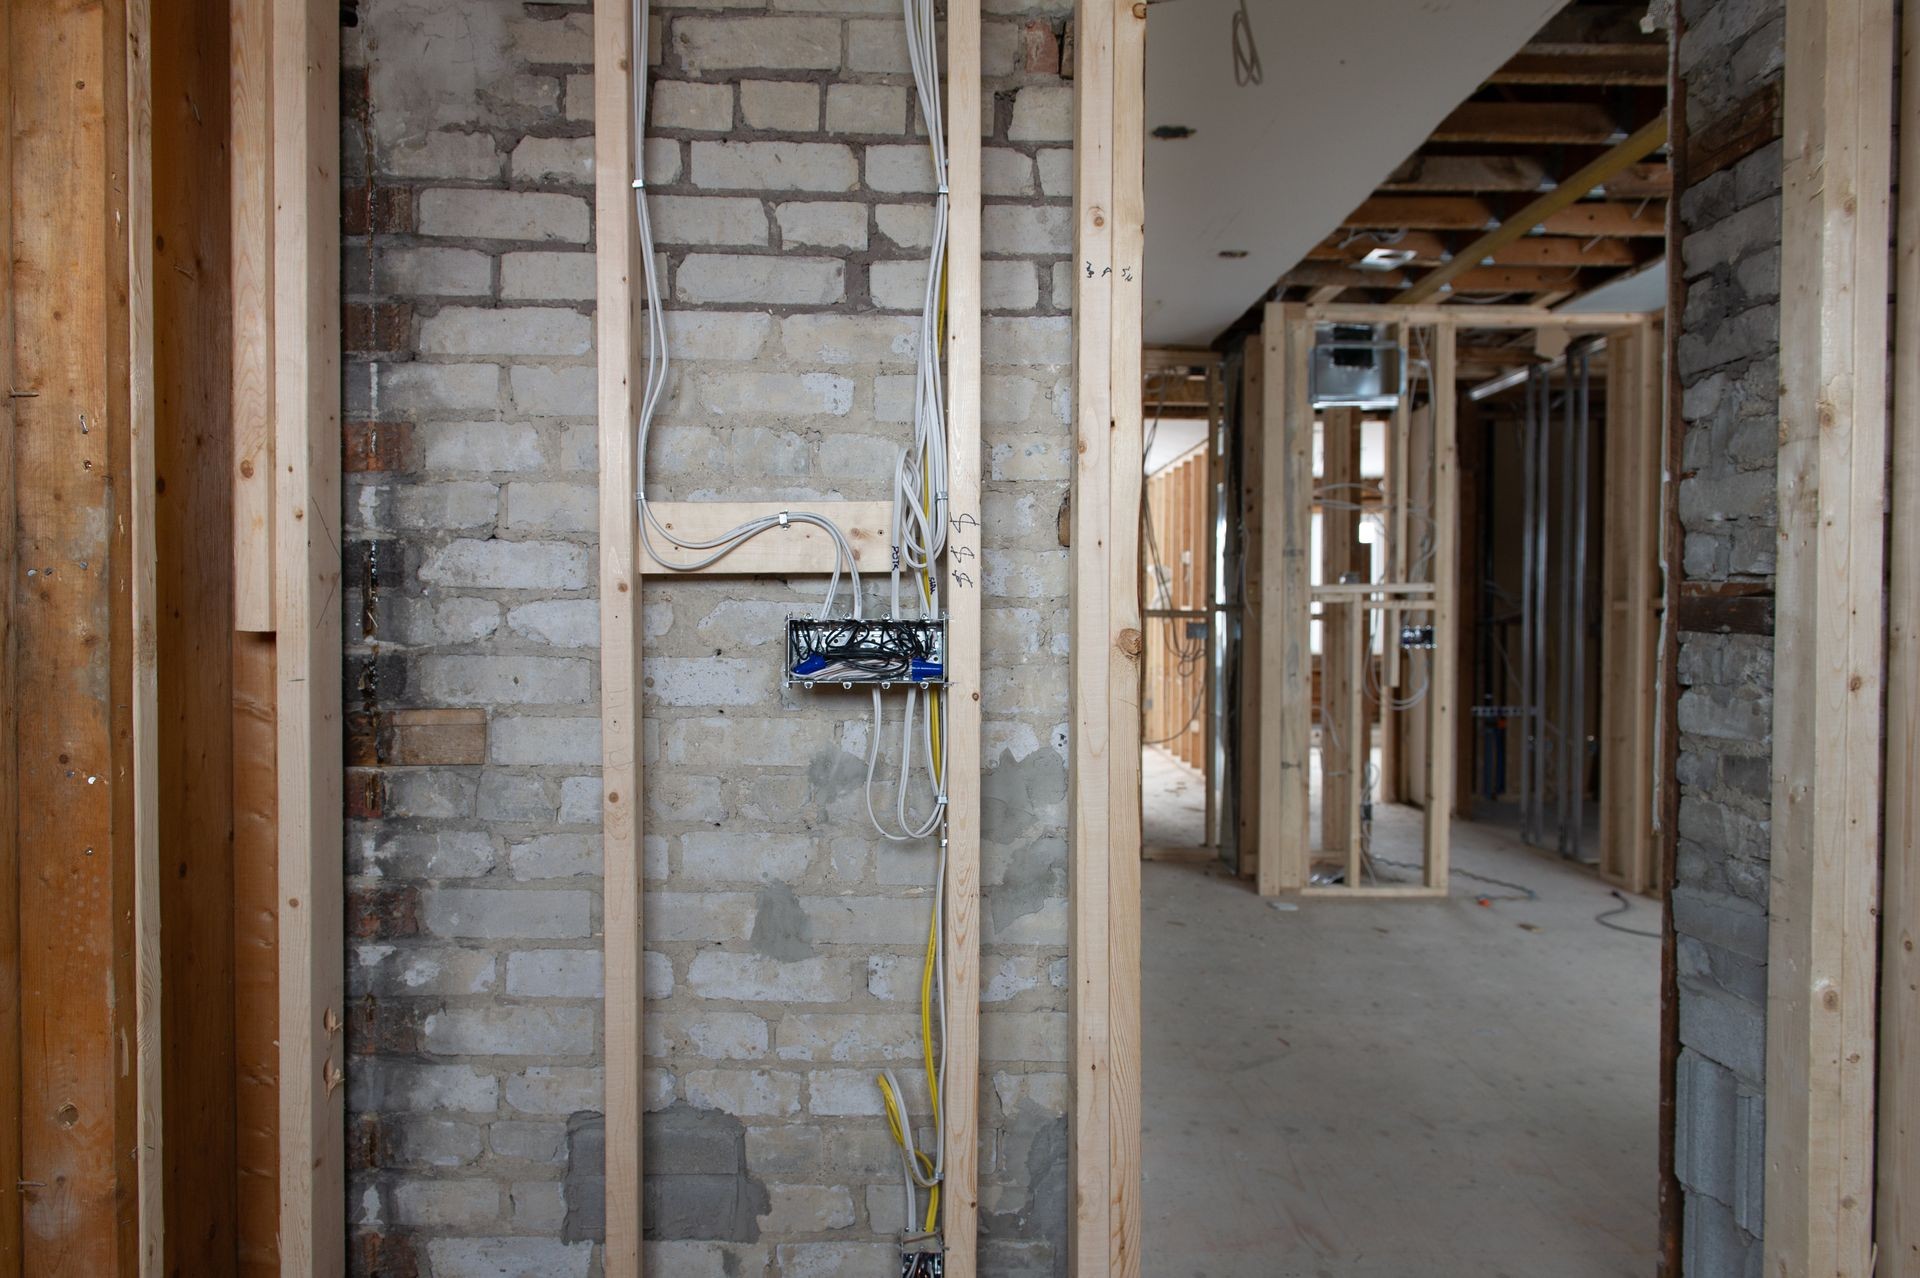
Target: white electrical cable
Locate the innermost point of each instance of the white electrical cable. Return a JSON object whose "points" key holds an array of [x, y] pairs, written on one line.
{"points": [[654, 389]]}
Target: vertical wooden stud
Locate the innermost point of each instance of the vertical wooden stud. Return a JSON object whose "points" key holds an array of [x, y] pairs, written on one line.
{"points": [[1829, 645], [250, 181], [1897, 1214], [306, 416], [617, 273], [960, 1194], [1286, 674], [1340, 727], [1090, 792], [1445, 658]]}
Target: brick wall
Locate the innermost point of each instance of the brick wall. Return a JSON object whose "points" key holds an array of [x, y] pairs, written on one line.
{"points": [[1731, 54], [791, 201]]}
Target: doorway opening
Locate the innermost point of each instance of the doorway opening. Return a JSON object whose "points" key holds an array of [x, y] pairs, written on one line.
{"points": [[1399, 583]]}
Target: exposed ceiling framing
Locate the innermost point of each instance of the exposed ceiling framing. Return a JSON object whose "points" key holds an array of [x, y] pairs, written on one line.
{"points": [[1574, 99]]}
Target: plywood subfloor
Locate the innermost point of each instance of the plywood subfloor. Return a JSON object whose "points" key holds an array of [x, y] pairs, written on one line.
{"points": [[1355, 1089]]}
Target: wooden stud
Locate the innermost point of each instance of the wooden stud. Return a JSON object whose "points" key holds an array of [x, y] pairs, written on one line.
{"points": [[960, 1192], [1445, 658], [1897, 1213], [1209, 573], [1285, 722], [619, 321], [1829, 650], [80, 1107], [250, 215], [1091, 799], [151, 1162], [1126, 1223], [1644, 141], [255, 960], [11, 1089], [1252, 439], [306, 417], [1340, 783], [799, 549]]}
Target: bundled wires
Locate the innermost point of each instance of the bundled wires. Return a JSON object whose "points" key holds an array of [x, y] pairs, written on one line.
{"points": [[919, 530], [658, 364]]}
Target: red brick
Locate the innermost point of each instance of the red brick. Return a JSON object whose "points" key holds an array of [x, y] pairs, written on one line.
{"points": [[372, 328], [378, 446], [383, 913], [379, 210], [1039, 48], [417, 738]]}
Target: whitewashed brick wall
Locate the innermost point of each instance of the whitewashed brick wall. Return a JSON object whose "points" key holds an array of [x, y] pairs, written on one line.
{"points": [[791, 198]]}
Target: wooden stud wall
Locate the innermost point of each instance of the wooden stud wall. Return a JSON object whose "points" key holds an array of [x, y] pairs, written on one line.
{"points": [[1829, 644], [794, 551], [1253, 517]]}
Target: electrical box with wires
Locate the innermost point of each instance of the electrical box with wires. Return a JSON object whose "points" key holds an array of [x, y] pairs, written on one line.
{"points": [[849, 651], [1356, 366], [921, 1257], [1412, 636]]}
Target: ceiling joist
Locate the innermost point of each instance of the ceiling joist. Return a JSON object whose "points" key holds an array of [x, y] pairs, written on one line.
{"points": [[1649, 138], [1529, 123]]}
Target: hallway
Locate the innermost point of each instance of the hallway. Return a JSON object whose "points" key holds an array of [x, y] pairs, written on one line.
{"points": [[1383, 1089]]}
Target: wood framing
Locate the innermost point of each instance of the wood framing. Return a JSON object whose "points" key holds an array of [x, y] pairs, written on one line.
{"points": [[1104, 806], [960, 1189], [80, 1145], [306, 521], [1444, 660], [250, 214], [1630, 599], [797, 549], [1647, 139], [1829, 644], [1897, 1217], [1285, 721], [618, 320]]}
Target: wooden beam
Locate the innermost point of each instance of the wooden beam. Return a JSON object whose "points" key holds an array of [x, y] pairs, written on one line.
{"points": [[1609, 64], [1558, 250], [77, 982], [1528, 123], [1648, 181], [1589, 218], [622, 809], [1254, 514], [306, 510], [250, 213], [1286, 674], [1897, 1211], [1516, 279], [1423, 172], [1157, 359], [12, 600], [1421, 212], [1649, 138], [1327, 275], [1490, 317], [1829, 645], [1125, 1244], [1445, 658], [960, 703], [1091, 799], [798, 549], [1340, 674]]}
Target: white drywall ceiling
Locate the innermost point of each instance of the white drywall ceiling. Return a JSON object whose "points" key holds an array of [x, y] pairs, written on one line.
{"points": [[1349, 88]]}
